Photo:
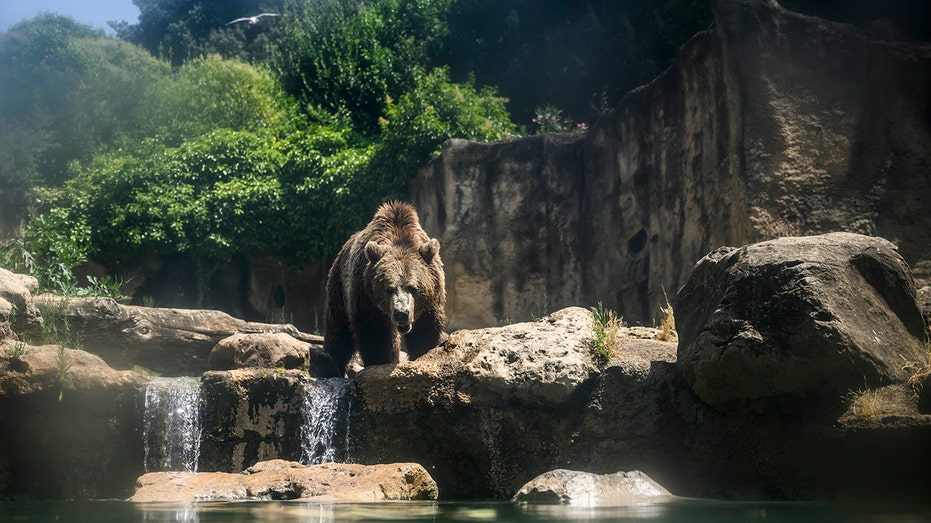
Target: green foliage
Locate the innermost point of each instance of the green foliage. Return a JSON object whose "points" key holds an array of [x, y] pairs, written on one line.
{"points": [[17, 349], [182, 31], [414, 128], [344, 55], [550, 119], [66, 92], [207, 94], [213, 160], [57, 327]]}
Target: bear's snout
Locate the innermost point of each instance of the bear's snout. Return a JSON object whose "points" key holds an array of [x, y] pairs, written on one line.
{"points": [[401, 308]]}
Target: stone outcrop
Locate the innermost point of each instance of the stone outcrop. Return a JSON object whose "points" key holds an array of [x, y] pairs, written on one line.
{"points": [[253, 415], [171, 342], [571, 487], [765, 325], [492, 408], [260, 350], [283, 480], [467, 412]]}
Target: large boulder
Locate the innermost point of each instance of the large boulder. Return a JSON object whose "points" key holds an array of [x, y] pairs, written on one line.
{"points": [[252, 415], [283, 480], [570, 487], [259, 350], [798, 322]]}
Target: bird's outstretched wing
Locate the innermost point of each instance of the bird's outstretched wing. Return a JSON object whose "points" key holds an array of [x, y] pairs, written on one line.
{"points": [[267, 14], [238, 20]]}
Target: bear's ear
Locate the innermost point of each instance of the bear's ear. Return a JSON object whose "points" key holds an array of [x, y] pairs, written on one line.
{"points": [[374, 251], [429, 250]]}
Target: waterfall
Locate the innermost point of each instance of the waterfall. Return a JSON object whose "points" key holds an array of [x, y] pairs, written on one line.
{"points": [[325, 404], [171, 424]]}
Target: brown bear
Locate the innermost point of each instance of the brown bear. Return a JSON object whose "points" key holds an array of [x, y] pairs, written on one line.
{"points": [[387, 283]]}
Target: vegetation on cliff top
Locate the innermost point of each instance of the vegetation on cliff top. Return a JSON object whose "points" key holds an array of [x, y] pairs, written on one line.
{"points": [[189, 136]]}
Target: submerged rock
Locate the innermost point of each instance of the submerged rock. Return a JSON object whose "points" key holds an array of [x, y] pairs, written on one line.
{"points": [[288, 480], [572, 487]]}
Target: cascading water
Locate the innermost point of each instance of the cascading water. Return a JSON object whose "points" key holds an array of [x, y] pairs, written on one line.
{"points": [[172, 429], [325, 405]]}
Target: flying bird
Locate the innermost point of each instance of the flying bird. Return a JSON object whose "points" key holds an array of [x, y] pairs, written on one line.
{"points": [[252, 19]]}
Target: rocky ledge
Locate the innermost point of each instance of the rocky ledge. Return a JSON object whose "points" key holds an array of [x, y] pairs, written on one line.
{"points": [[800, 372], [288, 480]]}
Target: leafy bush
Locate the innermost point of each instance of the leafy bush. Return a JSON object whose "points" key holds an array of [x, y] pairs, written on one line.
{"points": [[67, 91], [221, 162], [211, 93], [344, 55], [437, 109]]}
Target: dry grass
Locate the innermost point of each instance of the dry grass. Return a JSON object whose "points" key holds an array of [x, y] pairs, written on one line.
{"points": [[606, 341], [667, 327], [920, 372], [867, 404]]}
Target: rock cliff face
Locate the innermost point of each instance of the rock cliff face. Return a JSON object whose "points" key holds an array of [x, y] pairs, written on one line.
{"points": [[769, 124]]}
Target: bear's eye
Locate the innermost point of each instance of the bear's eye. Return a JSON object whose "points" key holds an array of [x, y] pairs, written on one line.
{"points": [[412, 290]]}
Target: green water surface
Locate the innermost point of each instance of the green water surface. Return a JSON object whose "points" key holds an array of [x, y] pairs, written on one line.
{"points": [[287, 512]]}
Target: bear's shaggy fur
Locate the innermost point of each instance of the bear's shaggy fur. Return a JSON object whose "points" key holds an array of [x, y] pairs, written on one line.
{"points": [[387, 282]]}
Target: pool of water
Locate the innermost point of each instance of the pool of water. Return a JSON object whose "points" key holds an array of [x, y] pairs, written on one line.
{"points": [[287, 512]]}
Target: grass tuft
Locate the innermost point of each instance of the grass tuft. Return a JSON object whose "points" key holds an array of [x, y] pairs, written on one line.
{"points": [[667, 327], [867, 404], [605, 343]]}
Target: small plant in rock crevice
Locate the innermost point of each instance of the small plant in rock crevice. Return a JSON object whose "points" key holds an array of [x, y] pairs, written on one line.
{"points": [[16, 349], [606, 342], [866, 404], [64, 368], [919, 371], [667, 326], [16, 346]]}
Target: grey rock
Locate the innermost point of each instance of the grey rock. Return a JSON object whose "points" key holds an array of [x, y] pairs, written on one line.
{"points": [[798, 322]]}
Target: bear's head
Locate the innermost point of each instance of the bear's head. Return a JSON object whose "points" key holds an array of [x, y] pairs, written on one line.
{"points": [[404, 279]]}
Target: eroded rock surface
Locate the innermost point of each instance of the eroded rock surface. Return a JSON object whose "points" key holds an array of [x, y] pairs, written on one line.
{"points": [[171, 342], [769, 124]]}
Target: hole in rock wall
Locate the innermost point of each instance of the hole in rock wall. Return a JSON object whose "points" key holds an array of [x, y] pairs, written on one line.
{"points": [[637, 243]]}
